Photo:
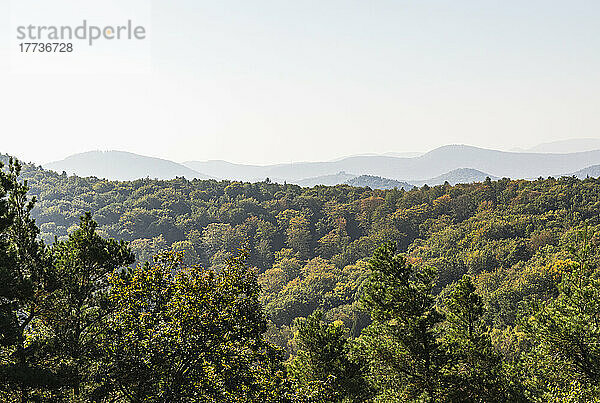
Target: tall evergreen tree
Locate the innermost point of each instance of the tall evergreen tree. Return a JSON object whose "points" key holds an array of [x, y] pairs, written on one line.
{"points": [[400, 346], [24, 286], [473, 371], [77, 311], [322, 370]]}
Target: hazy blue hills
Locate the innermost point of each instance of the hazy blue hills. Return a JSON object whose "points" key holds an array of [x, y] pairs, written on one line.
{"points": [[499, 163], [329, 180], [565, 146], [229, 170], [460, 175], [120, 165], [374, 182], [429, 165], [451, 163], [592, 172], [377, 182]]}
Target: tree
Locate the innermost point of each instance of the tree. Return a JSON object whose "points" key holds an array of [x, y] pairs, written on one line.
{"points": [[297, 230], [190, 334], [322, 370], [400, 346], [24, 285], [473, 372], [566, 331], [77, 311]]}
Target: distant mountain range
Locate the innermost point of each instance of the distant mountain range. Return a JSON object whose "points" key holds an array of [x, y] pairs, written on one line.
{"points": [[460, 175], [564, 146], [120, 165], [330, 180], [451, 163], [377, 182], [592, 172], [430, 165]]}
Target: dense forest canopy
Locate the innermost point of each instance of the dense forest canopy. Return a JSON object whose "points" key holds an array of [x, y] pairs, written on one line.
{"points": [[478, 292]]}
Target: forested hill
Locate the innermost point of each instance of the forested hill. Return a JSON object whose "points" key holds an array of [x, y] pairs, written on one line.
{"points": [[520, 243], [214, 219]]}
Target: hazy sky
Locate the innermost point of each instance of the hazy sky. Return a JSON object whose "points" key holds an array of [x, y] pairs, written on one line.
{"points": [[280, 81]]}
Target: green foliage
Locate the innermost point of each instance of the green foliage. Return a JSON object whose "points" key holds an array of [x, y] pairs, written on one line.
{"points": [[76, 312], [24, 286], [76, 323], [504, 233], [419, 351], [565, 360], [400, 347], [322, 370], [473, 370], [190, 335]]}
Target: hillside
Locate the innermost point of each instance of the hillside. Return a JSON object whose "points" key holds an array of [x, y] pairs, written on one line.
{"points": [[592, 172], [414, 169], [377, 182], [120, 165], [567, 146], [230, 171], [516, 240], [328, 180], [436, 166], [341, 224], [461, 175]]}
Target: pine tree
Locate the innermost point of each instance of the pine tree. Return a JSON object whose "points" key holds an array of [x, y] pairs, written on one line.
{"points": [[473, 372], [24, 285], [400, 346], [78, 310], [322, 370]]}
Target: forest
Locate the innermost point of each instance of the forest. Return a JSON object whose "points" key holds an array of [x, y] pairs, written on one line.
{"points": [[223, 291]]}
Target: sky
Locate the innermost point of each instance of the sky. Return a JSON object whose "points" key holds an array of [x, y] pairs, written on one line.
{"points": [[280, 81]]}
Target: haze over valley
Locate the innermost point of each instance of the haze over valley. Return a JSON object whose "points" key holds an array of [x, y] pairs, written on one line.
{"points": [[451, 163]]}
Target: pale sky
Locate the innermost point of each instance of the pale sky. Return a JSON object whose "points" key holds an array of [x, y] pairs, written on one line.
{"points": [[279, 81]]}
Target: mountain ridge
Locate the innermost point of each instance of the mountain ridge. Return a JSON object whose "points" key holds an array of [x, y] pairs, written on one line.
{"points": [[459, 175], [570, 146], [429, 167], [122, 165]]}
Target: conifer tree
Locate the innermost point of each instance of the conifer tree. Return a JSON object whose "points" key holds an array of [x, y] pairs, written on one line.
{"points": [[473, 371], [78, 310], [322, 370], [400, 347], [24, 286]]}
